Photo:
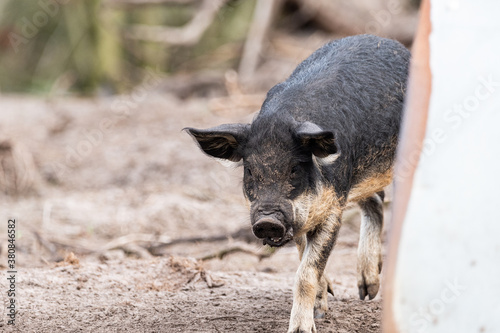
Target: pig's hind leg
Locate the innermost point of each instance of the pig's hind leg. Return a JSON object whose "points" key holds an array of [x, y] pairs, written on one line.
{"points": [[370, 245]]}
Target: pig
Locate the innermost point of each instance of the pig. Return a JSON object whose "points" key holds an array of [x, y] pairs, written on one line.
{"points": [[323, 140]]}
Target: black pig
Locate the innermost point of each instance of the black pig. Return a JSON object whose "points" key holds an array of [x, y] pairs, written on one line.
{"points": [[324, 138]]}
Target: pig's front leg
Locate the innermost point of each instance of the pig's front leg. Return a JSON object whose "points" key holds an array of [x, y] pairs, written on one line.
{"points": [[309, 280], [324, 287]]}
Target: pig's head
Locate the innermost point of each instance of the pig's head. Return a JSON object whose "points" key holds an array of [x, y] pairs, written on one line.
{"points": [[281, 161]]}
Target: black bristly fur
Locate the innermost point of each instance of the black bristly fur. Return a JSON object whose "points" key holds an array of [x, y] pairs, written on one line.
{"points": [[352, 88]]}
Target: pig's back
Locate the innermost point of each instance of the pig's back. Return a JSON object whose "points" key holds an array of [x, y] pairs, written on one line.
{"points": [[355, 87]]}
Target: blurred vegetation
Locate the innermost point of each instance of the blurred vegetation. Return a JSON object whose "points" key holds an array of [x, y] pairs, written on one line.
{"points": [[80, 45]]}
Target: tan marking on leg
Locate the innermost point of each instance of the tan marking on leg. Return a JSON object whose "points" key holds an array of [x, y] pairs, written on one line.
{"points": [[300, 242], [370, 249], [369, 186], [304, 296], [309, 281], [319, 212], [321, 303]]}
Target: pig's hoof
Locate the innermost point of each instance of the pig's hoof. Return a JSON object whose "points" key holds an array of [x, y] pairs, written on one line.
{"points": [[368, 289], [321, 302], [302, 330], [306, 325], [369, 279], [330, 289]]}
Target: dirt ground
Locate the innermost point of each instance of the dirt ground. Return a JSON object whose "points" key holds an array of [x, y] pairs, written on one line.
{"points": [[114, 180]]}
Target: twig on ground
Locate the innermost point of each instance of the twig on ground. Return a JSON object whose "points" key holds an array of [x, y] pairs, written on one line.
{"points": [[234, 249], [244, 234], [215, 327], [229, 317], [72, 247], [134, 238], [203, 275], [136, 250]]}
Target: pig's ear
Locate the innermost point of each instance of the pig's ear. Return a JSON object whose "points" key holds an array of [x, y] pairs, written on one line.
{"points": [[223, 141], [320, 142]]}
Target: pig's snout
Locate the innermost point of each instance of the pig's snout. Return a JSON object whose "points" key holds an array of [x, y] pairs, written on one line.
{"points": [[268, 227], [271, 224]]}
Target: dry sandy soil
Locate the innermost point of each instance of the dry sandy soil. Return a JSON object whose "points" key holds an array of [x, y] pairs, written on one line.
{"points": [[110, 179]]}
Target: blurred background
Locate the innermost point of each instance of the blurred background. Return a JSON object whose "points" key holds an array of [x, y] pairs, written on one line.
{"points": [[108, 46], [93, 163]]}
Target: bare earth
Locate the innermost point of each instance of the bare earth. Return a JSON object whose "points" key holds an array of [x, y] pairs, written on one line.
{"points": [[84, 186]]}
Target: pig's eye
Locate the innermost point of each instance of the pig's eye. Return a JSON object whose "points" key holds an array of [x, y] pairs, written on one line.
{"points": [[295, 171], [249, 173]]}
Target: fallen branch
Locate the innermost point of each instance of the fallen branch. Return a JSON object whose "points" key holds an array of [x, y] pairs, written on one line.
{"points": [[134, 3], [136, 250], [243, 234], [134, 238], [261, 22], [235, 249], [189, 34], [72, 247], [126, 243], [360, 17]]}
